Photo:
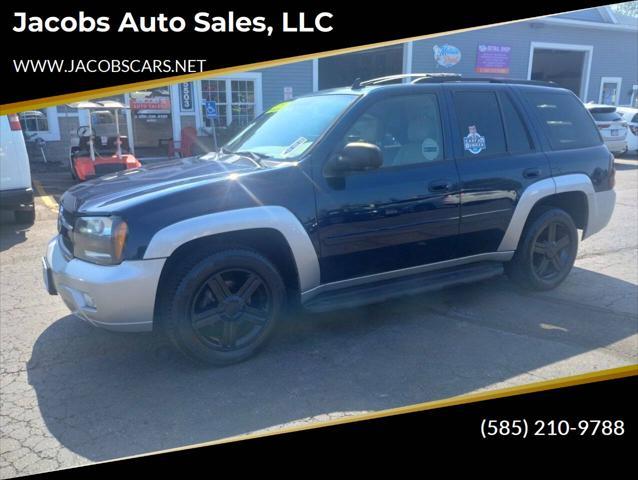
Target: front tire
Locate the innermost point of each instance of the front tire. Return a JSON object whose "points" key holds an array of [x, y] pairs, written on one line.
{"points": [[224, 307], [546, 251]]}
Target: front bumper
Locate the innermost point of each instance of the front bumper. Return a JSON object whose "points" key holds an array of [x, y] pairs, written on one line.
{"points": [[118, 297], [16, 199]]}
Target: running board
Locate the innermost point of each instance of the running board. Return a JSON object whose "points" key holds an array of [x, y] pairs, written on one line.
{"points": [[398, 287]]}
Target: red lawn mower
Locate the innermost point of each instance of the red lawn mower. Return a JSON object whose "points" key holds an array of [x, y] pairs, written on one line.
{"points": [[99, 148]]}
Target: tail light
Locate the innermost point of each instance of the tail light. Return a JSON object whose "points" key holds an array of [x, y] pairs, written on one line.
{"points": [[14, 122]]}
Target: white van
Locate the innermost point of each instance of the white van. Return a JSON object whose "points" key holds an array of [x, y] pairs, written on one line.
{"points": [[16, 193]]}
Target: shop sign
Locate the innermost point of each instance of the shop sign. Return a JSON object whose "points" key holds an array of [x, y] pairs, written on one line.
{"points": [[493, 59], [151, 103], [446, 55]]}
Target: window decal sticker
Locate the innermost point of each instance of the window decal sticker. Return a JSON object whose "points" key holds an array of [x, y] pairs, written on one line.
{"points": [[474, 142], [430, 149], [278, 107], [296, 147]]}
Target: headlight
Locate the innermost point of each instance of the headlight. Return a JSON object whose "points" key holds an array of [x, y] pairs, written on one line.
{"points": [[99, 239]]}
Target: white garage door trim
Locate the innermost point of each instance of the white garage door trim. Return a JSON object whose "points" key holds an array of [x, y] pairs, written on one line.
{"points": [[588, 49]]}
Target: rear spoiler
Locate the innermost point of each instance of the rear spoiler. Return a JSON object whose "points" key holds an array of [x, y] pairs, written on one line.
{"points": [[610, 109]]}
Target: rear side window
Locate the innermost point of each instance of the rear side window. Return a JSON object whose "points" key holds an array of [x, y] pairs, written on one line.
{"points": [[565, 120], [518, 140], [480, 123]]}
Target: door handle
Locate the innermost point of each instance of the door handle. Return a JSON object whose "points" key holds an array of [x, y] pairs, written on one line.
{"points": [[440, 186], [532, 173]]}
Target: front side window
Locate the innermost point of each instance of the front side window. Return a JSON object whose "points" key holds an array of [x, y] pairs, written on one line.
{"points": [[407, 129], [564, 119], [480, 124], [290, 128]]}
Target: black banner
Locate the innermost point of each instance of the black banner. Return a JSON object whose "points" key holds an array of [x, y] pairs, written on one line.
{"points": [[197, 36], [592, 419]]}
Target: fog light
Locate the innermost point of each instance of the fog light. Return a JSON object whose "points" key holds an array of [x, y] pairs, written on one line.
{"points": [[88, 300]]}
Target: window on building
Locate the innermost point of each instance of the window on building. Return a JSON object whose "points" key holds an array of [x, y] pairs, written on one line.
{"points": [[565, 120], [480, 123], [243, 101], [407, 129], [215, 90], [235, 101], [518, 139]]}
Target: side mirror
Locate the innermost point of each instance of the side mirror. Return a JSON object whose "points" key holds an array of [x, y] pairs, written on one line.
{"points": [[355, 157]]}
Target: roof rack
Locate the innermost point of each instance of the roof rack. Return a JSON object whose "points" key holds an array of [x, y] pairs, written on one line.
{"points": [[444, 77], [403, 76]]}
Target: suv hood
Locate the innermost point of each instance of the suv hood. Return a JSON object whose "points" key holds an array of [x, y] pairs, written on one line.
{"points": [[152, 180]]}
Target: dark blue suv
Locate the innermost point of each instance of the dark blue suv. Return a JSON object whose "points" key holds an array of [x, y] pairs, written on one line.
{"points": [[337, 199]]}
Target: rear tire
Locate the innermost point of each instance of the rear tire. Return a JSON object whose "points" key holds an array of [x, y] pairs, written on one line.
{"points": [[546, 251], [25, 217], [221, 309]]}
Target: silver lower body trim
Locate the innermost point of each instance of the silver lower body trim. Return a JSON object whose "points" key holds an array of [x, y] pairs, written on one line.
{"points": [[403, 272], [118, 297]]}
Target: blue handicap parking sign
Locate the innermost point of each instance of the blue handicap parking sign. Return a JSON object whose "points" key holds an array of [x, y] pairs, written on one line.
{"points": [[211, 109]]}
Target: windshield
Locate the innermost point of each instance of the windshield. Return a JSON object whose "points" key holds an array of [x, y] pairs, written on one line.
{"points": [[288, 129]]}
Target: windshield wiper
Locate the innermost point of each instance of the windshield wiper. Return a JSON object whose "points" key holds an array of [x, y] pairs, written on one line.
{"points": [[256, 156]]}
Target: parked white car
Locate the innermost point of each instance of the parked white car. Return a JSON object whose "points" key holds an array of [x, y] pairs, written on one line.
{"points": [[16, 193], [612, 126], [630, 115]]}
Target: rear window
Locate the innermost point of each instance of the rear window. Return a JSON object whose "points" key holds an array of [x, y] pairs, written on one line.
{"points": [[606, 116], [565, 120]]}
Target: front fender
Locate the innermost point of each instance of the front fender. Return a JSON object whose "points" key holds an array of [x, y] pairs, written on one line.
{"points": [[169, 238]]}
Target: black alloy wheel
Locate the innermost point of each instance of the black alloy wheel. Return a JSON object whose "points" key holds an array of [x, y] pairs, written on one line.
{"points": [[231, 309], [221, 307], [551, 251], [546, 250]]}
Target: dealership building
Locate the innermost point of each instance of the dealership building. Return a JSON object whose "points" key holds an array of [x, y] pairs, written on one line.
{"points": [[593, 52]]}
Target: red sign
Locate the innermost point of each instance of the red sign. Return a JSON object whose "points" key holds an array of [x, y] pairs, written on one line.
{"points": [[151, 103]]}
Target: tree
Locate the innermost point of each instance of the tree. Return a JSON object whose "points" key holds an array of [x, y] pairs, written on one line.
{"points": [[627, 8]]}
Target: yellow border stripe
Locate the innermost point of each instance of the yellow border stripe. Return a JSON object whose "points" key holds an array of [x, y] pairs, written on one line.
{"points": [[48, 200], [614, 373], [582, 379], [44, 102]]}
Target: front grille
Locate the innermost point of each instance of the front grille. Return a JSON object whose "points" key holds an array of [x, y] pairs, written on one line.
{"points": [[65, 227], [106, 168]]}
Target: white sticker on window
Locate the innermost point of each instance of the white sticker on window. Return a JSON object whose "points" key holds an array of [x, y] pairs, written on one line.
{"points": [[474, 142], [295, 147], [430, 149]]}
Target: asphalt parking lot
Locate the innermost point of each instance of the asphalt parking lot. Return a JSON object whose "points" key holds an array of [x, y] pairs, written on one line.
{"points": [[72, 394]]}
